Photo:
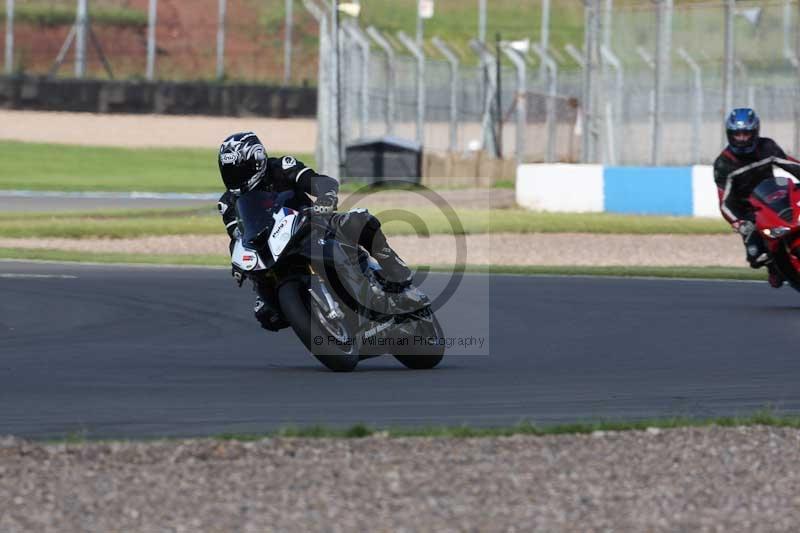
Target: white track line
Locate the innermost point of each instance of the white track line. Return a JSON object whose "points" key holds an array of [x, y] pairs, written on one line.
{"points": [[113, 195], [37, 276]]}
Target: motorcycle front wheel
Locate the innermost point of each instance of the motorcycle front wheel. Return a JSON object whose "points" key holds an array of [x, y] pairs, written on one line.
{"points": [[330, 340], [426, 342]]}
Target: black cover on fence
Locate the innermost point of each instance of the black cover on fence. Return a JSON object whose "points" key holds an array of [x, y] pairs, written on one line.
{"points": [[384, 159], [171, 98]]}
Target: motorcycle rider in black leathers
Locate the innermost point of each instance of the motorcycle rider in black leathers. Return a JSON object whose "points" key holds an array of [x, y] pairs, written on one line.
{"points": [[245, 166], [747, 161]]}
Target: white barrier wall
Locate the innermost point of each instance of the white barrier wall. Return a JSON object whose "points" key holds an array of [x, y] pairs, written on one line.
{"points": [[675, 191], [565, 188], [705, 196]]}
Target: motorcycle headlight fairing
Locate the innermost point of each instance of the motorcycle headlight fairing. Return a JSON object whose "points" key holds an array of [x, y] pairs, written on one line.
{"points": [[776, 233]]}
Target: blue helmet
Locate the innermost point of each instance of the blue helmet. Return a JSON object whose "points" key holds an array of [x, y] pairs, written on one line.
{"points": [[742, 127]]}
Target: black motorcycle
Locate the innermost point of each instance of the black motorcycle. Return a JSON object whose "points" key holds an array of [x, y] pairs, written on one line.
{"points": [[328, 290]]}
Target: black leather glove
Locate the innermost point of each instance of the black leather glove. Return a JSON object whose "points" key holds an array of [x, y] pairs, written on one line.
{"points": [[745, 227], [238, 275], [326, 204]]}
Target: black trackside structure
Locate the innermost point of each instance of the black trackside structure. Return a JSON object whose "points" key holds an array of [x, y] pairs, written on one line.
{"points": [[384, 159]]}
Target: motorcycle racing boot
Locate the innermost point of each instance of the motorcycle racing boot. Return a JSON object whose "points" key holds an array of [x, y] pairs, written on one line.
{"points": [[396, 280], [269, 318], [775, 279], [394, 275]]}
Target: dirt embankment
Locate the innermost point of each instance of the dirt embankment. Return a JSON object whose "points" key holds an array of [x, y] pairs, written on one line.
{"points": [[712, 479], [186, 41], [296, 136]]}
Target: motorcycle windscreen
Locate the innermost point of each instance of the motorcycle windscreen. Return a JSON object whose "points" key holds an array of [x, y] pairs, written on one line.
{"points": [[775, 195], [255, 210]]}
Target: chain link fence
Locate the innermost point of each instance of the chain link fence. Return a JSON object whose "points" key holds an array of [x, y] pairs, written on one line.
{"points": [[491, 100], [637, 83], [197, 40], [703, 77]]}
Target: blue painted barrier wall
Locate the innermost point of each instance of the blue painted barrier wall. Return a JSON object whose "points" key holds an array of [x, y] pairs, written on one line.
{"points": [[655, 191], [675, 191]]}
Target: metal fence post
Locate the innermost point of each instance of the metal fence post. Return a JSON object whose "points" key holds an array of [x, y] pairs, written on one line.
{"points": [[663, 29], [323, 97], [575, 55], [522, 101], [552, 94], [81, 23], [797, 95], [221, 39], [791, 57], [420, 34], [152, 13], [646, 57], [287, 43], [588, 119], [697, 118], [9, 37], [730, 58], [391, 68], [605, 108], [337, 149], [608, 11], [482, 21], [419, 54], [544, 41], [348, 94], [488, 61], [788, 49], [651, 111], [363, 45], [452, 59], [614, 120], [482, 16]]}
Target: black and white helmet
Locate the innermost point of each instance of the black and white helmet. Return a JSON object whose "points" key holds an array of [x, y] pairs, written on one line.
{"points": [[242, 162]]}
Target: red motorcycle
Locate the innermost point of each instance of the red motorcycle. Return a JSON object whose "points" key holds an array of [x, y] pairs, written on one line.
{"points": [[777, 208]]}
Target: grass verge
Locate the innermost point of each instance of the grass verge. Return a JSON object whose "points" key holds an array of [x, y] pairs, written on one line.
{"points": [[112, 224], [222, 260], [429, 221], [759, 418], [765, 418], [58, 167], [113, 258], [677, 272]]}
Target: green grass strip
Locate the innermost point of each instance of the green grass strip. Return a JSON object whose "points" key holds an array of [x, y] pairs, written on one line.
{"points": [[111, 225], [760, 418], [682, 272], [23, 254], [60, 167]]}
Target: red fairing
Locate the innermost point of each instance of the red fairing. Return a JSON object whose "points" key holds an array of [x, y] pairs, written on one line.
{"points": [[767, 219]]}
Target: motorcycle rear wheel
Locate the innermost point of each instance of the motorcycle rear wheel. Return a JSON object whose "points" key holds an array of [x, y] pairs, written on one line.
{"points": [[330, 340]]}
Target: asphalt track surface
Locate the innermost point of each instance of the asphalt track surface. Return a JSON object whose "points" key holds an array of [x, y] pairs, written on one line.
{"points": [[113, 351]]}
